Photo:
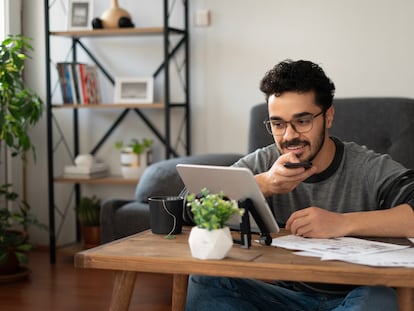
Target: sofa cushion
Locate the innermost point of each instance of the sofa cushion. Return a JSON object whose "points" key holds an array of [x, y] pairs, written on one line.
{"points": [[258, 135], [384, 125]]}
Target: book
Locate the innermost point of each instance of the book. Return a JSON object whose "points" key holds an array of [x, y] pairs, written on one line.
{"points": [[74, 83], [83, 169], [68, 83], [82, 83], [63, 82], [79, 83], [96, 170], [91, 85], [71, 83], [86, 176]]}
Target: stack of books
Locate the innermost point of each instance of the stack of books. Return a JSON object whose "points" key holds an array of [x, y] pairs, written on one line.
{"points": [[79, 83], [97, 170]]}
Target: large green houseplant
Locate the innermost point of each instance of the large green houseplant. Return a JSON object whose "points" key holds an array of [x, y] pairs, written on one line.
{"points": [[20, 108], [14, 223], [211, 238]]}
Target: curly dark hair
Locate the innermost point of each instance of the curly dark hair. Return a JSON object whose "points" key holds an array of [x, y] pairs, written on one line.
{"points": [[299, 76]]}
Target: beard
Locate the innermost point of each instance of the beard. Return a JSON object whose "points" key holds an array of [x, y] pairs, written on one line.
{"points": [[315, 148]]}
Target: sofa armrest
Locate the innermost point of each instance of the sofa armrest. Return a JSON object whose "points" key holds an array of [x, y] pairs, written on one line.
{"points": [[162, 178], [107, 217]]}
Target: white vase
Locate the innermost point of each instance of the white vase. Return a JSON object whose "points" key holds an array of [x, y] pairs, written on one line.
{"points": [[214, 244], [132, 164]]}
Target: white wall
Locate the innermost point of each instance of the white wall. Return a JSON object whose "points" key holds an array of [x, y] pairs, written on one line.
{"points": [[366, 47]]}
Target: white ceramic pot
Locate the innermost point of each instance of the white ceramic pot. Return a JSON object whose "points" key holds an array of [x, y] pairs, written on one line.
{"points": [[132, 164], [205, 244]]}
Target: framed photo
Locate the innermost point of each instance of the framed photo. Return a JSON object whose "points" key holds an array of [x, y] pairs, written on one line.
{"points": [[80, 14], [134, 90]]}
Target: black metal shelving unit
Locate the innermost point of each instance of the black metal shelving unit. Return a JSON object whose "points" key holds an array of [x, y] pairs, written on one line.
{"points": [[166, 31]]}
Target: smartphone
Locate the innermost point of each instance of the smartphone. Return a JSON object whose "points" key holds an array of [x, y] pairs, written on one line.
{"points": [[306, 164]]}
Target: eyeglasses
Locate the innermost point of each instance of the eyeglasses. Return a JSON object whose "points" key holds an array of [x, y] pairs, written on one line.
{"points": [[301, 124]]}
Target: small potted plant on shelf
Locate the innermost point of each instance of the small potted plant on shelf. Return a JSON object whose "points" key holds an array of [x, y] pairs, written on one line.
{"points": [[14, 223], [211, 238], [88, 212], [135, 156]]}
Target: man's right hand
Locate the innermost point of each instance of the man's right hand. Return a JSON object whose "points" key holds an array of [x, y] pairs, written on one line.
{"points": [[279, 179]]}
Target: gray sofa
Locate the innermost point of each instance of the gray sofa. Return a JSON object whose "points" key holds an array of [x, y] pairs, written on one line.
{"points": [[120, 218], [385, 125]]}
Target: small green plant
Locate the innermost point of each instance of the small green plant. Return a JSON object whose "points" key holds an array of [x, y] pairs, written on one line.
{"points": [[88, 211], [212, 211], [137, 146], [14, 223]]}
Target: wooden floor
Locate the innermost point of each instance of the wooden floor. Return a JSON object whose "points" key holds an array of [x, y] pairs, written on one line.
{"points": [[63, 287]]}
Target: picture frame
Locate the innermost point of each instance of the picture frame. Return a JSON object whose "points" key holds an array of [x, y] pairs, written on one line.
{"points": [[80, 14], [134, 90]]}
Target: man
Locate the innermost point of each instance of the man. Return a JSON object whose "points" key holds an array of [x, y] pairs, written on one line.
{"points": [[348, 191]]}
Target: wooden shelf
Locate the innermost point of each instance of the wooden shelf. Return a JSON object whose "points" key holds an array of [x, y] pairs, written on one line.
{"points": [[110, 180], [110, 32], [110, 106], [173, 42]]}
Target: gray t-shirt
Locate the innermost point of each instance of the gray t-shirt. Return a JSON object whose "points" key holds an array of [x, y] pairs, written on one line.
{"points": [[357, 180]]}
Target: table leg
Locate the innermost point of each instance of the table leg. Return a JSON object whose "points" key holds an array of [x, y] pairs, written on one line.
{"points": [[179, 296], [122, 291], [405, 298]]}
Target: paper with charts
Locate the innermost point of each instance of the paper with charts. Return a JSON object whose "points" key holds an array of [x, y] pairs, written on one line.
{"points": [[348, 249]]}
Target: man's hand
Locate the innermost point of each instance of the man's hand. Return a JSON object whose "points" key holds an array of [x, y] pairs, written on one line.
{"points": [[279, 179], [314, 222]]}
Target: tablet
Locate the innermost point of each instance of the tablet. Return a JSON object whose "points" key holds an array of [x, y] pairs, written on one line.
{"points": [[237, 183]]}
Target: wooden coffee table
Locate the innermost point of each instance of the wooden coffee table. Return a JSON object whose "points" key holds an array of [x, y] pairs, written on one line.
{"points": [[146, 252]]}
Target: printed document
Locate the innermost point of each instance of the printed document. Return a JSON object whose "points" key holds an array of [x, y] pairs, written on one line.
{"points": [[348, 249]]}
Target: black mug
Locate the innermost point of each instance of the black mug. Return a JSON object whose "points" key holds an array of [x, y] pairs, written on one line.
{"points": [[166, 214]]}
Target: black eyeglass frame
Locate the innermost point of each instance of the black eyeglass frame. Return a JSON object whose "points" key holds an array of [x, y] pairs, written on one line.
{"points": [[268, 126]]}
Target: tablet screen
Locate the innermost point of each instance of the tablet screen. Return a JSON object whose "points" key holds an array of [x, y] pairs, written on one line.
{"points": [[237, 183]]}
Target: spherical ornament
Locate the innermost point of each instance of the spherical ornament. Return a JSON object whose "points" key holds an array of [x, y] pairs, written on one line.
{"points": [[97, 23], [125, 22]]}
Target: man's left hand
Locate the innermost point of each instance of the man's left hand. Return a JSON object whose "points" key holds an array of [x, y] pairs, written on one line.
{"points": [[315, 222]]}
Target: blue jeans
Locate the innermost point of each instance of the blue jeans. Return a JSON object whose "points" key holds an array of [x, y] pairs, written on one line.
{"points": [[206, 293]]}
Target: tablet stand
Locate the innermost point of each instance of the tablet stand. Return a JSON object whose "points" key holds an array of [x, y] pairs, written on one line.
{"points": [[245, 229]]}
